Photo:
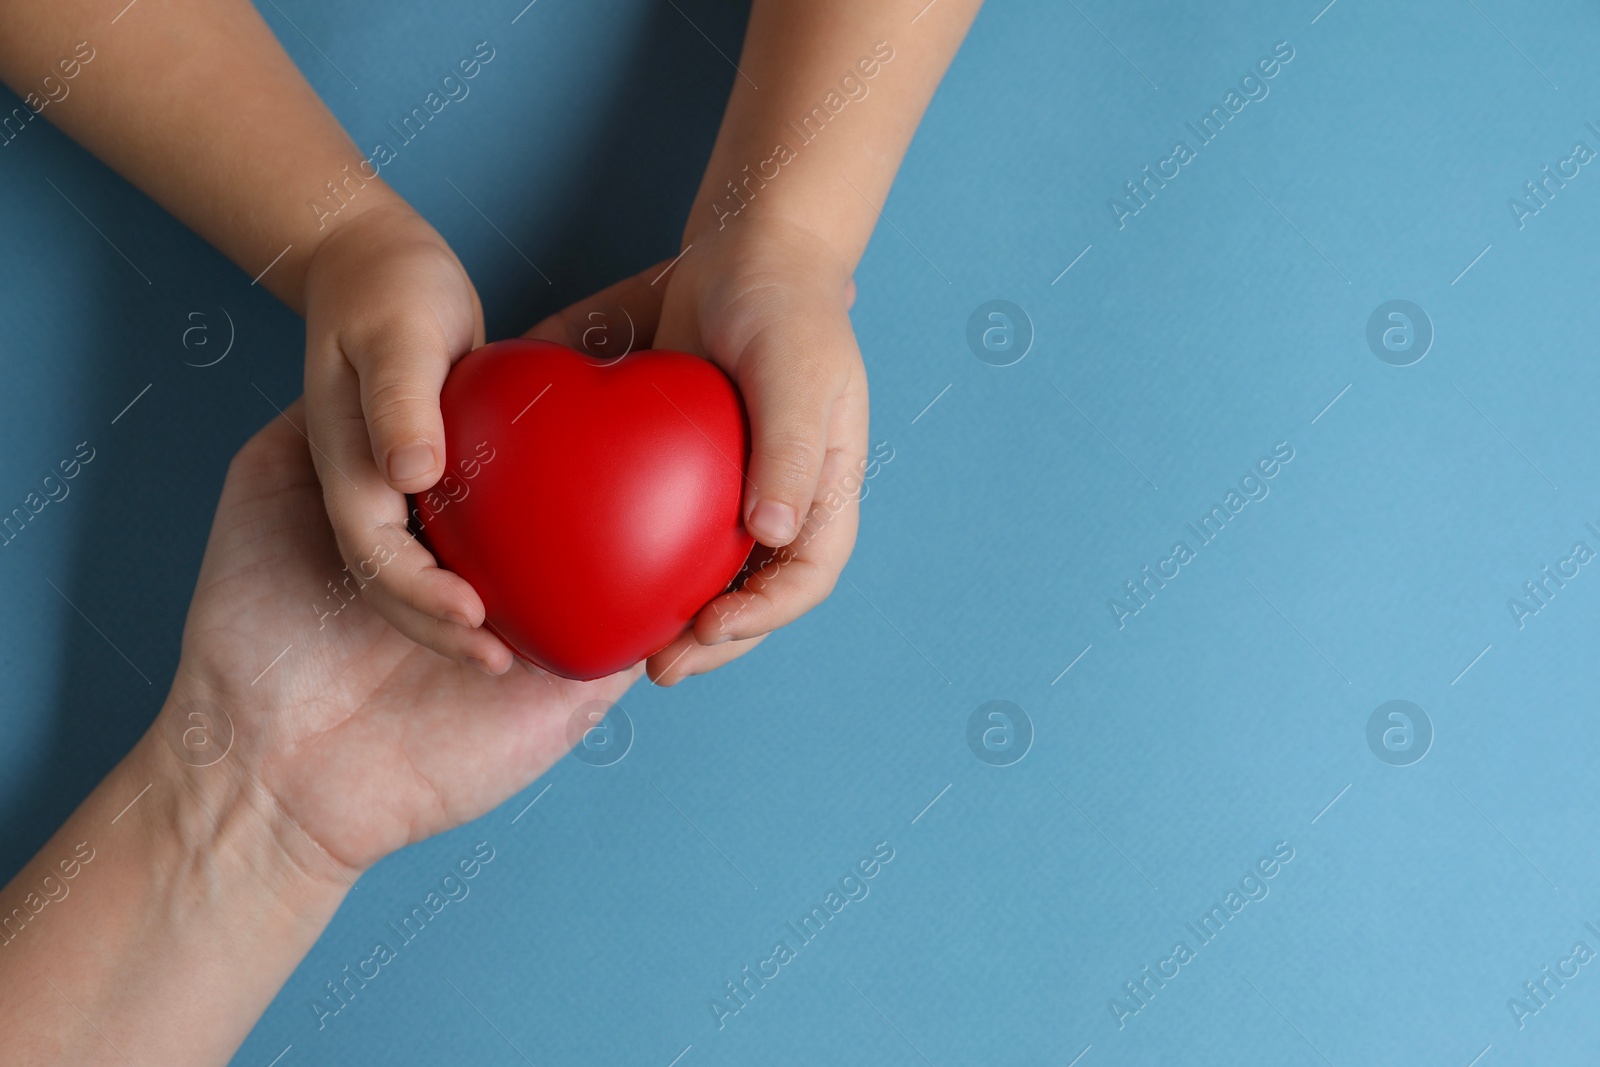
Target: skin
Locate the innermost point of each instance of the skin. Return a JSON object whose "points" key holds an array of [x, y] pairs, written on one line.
{"points": [[355, 742], [388, 306], [765, 294], [353, 745]]}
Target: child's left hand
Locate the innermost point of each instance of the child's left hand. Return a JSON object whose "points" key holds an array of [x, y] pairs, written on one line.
{"points": [[769, 303]]}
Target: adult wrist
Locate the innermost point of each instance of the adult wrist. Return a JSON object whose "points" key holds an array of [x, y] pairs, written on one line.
{"points": [[169, 885], [215, 821]]}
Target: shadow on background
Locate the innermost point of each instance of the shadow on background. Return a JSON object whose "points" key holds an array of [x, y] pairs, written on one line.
{"points": [[143, 510], [139, 513], [628, 192]]}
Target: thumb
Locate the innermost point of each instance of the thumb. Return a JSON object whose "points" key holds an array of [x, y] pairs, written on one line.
{"points": [[402, 370], [791, 377]]}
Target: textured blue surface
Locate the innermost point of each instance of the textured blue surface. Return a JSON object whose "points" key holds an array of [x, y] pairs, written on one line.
{"points": [[1229, 715]]}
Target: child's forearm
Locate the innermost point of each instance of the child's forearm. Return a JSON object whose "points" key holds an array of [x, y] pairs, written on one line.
{"points": [[828, 95], [194, 102]]}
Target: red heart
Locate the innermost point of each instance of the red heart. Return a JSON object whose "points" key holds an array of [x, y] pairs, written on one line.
{"points": [[594, 505]]}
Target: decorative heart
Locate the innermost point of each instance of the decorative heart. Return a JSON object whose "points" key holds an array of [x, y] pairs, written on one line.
{"points": [[594, 505]]}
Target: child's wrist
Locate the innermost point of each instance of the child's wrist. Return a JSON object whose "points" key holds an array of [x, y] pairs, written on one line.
{"points": [[773, 198], [375, 200], [797, 237], [381, 226]]}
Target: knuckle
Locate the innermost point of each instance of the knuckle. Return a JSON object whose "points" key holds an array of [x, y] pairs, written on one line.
{"points": [[813, 371], [791, 460], [803, 371], [395, 406], [386, 338]]}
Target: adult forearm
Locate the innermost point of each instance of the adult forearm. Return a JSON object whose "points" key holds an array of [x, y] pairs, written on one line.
{"points": [[194, 102], [828, 95], [158, 923]]}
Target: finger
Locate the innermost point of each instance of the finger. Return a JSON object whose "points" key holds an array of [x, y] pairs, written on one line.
{"points": [[398, 576], [618, 319], [796, 578], [686, 657], [396, 601], [401, 366], [792, 373], [275, 439]]}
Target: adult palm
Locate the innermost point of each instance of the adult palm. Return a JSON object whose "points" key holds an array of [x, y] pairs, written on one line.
{"points": [[364, 740]]}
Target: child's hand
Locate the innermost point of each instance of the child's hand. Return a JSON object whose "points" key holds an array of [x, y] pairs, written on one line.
{"points": [[769, 303], [389, 308]]}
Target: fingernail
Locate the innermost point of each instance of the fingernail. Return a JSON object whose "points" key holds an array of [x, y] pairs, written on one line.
{"points": [[773, 523], [410, 461], [457, 618], [717, 640], [481, 665]]}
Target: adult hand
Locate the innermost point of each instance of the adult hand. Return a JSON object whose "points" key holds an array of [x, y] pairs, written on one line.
{"points": [[365, 740], [298, 746]]}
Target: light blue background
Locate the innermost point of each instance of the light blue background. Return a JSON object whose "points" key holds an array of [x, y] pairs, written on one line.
{"points": [[1174, 753]]}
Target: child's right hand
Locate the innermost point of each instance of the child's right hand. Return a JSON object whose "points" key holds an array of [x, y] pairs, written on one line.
{"points": [[389, 309]]}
